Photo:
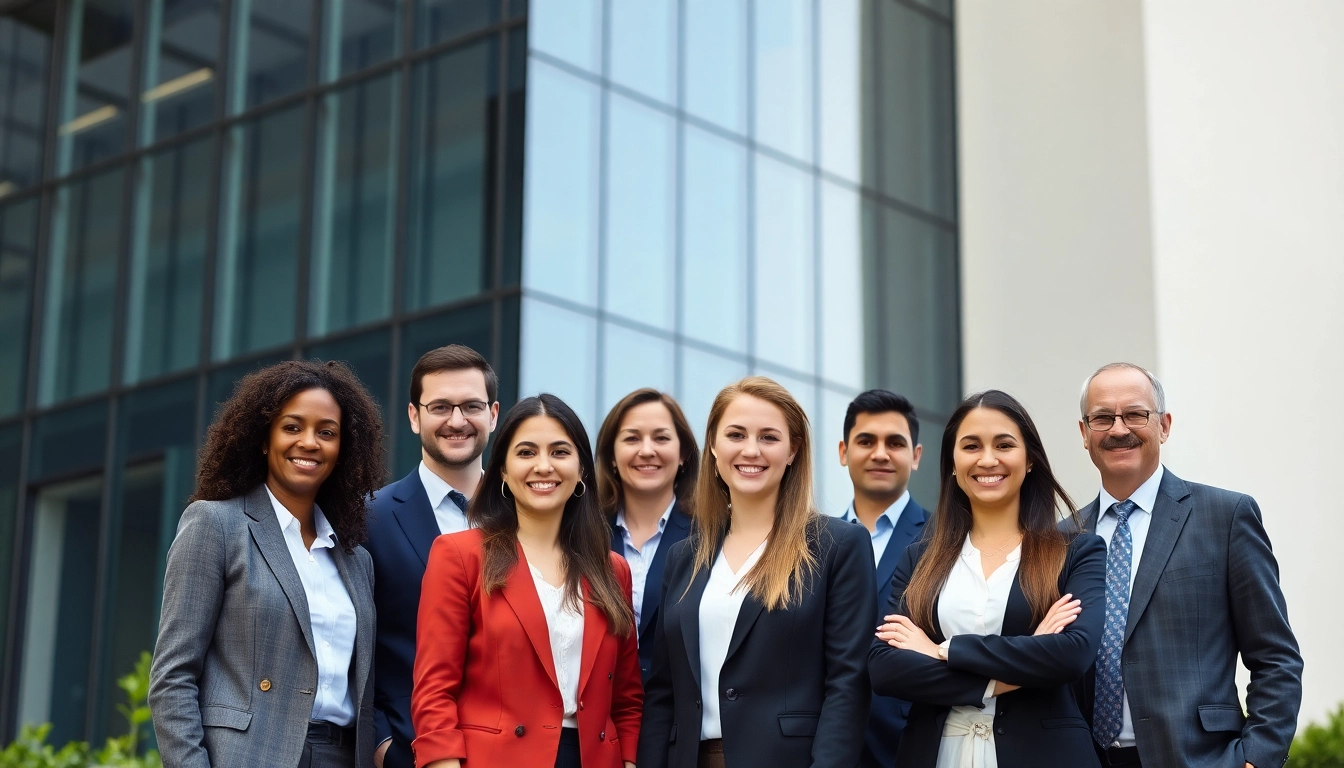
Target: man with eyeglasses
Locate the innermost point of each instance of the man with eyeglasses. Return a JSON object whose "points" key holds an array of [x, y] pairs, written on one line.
{"points": [[1191, 583], [453, 409]]}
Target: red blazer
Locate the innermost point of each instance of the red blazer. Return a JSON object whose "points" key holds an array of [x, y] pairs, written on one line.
{"points": [[485, 687]]}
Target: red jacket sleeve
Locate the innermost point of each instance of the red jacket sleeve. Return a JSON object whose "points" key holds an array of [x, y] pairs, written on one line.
{"points": [[441, 654], [627, 695]]}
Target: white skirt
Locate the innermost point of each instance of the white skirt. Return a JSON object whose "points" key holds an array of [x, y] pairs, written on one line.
{"points": [[968, 740]]}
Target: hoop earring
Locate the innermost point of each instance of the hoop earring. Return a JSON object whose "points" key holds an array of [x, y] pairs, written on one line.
{"points": [[504, 489], [580, 493]]}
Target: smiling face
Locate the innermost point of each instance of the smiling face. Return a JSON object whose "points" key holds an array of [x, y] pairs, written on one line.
{"points": [[454, 440], [542, 468], [880, 455], [752, 447], [304, 443], [647, 453], [990, 458], [1125, 456]]}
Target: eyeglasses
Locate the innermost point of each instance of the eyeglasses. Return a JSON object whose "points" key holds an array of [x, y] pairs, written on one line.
{"points": [[1102, 422], [443, 409]]}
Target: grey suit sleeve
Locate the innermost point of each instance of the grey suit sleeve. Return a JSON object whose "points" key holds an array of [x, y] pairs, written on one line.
{"points": [[193, 589], [1264, 639]]}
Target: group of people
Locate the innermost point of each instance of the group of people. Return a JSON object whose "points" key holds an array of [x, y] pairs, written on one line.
{"points": [[650, 601]]}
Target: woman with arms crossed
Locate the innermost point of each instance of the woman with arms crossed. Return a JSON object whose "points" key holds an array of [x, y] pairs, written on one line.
{"points": [[265, 645], [759, 657], [995, 612], [526, 641]]}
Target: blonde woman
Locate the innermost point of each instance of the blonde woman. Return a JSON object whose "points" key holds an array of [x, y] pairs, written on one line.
{"points": [[760, 649]]}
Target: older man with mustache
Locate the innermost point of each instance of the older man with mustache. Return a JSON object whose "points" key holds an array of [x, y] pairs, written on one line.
{"points": [[1191, 583]]}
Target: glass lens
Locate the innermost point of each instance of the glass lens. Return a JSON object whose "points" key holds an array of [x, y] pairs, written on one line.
{"points": [[1136, 418]]}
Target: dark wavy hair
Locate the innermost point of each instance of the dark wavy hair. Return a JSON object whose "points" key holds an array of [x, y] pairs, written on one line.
{"points": [[231, 464], [585, 539], [610, 494]]}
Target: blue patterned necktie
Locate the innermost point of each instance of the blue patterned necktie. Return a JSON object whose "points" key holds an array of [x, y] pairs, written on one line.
{"points": [[459, 499], [1108, 710]]}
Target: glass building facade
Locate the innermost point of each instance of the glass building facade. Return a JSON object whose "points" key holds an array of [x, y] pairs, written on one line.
{"points": [[597, 194]]}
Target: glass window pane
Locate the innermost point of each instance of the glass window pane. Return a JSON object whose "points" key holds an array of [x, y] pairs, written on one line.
{"points": [[259, 233], [703, 374], [181, 67], [360, 34], [631, 360], [844, 76], [18, 253], [470, 326], [925, 484], [516, 108], [641, 224], [714, 250], [58, 631], [68, 441], [568, 29], [917, 121], [644, 47], [560, 239], [163, 328], [25, 68], [785, 301], [805, 392], [559, 355], [11, 445], [369, 355], [923, 356], [219, 387], [354, 206], [439, 20], [81, 288], [835, 491], [848, 246], [451, 214], [783, 88], [273, 39], [716, 62], [96, 95]]}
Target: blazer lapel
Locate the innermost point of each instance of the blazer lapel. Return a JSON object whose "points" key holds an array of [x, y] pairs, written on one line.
{"points": [[678, 525], [594, 630], [1017, 612], [908, 527], [521, 594], [357, 585], [1087, 516], [270, 540], [415, 515], [689, 608], [746, 619], [1169, 515]]}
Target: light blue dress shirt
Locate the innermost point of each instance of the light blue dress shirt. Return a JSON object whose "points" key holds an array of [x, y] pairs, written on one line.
{"points": [[450, 518], [640, 559], [886, 524]]}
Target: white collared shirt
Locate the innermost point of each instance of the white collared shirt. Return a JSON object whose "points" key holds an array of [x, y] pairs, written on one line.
{"points": [[1144, 498], [641, 558], [719, 606], [564, 624], [450, 517], [886, 524], [331, 613]]}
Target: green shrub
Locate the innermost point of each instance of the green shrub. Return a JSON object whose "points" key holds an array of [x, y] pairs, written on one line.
{"points": [[1320, 746]]}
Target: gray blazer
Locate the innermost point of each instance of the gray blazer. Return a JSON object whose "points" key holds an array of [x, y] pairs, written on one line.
{"points": [[1206, 590], [234, 668]]}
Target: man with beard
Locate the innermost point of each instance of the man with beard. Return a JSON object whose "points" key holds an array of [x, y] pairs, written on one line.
{"points": [[453, 408], [1191, 584]]}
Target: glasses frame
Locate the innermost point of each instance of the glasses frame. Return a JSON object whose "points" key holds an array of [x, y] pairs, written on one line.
{"points": [[1123, 417], [485, 410]]}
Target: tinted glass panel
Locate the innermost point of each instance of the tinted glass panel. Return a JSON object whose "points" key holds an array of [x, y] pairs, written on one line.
{"points": [[469, 326], [369, 355], [359, 34], [68, 441], [273, 39], [783, 68], [714, 254], [18, 251], [25, 67], [354, 206], [163, 330], [843, 67], [835, 489], [439, 20], [921, 301], [568, 29], [219, 387], [716, 61], [631, 360], [559, 355], [848, 245], [785, 279], [703, 374], [11, 443], [181, 67], [86, 237], [644, 47], [96, 97], [513, 158]]}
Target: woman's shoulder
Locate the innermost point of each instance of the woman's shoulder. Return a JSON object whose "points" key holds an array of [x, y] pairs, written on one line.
{"points": [[466, 543], [1086, 545], [832, 529]]}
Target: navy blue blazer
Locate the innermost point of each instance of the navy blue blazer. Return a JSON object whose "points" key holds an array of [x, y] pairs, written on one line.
{"points": [[402, 528], [886, 718], [678, 527]]}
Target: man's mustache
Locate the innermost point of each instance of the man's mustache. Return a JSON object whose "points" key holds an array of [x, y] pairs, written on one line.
{"points": [[1127, 440]]}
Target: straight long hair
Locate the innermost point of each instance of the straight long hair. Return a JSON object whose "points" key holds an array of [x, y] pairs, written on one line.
{"points": [[585, 539], [1041, 498], [778, 578], [609, 491]]}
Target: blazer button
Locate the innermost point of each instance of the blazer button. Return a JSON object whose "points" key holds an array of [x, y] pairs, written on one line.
{"points": [[602, 736], [580, 706], [697, 703], [264, 685], [731, 694], [999, 731], [519, 731], [608, 675]]}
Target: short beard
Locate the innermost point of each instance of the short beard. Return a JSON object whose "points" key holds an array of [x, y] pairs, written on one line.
{"points": [[431, 449]]}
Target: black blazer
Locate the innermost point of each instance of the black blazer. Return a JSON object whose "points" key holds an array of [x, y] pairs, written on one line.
{"points": [[1037, 725], [793, 688], [678, 527]]}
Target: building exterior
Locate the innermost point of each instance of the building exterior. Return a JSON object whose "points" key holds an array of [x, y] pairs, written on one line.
{"points": [[597, 194]]}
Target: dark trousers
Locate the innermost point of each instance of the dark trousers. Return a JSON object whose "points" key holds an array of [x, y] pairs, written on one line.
{"points": [[328, 746], [711, 754], [1119, 757], [568, 754]]}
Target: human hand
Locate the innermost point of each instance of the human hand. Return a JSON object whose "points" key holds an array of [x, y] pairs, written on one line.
{"points": [[381, 752], [901, 632], [1060, 615]]}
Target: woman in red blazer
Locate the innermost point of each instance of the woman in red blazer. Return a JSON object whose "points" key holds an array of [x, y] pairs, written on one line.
{"points": [[526, 650]]}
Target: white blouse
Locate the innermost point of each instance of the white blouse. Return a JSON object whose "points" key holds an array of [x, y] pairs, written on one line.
{"points": [[719, 607], [565, 626], [970, 604]]}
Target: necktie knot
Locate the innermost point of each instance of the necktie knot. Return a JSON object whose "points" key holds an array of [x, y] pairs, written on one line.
{"points": [[460, 499], [1124, 509]]}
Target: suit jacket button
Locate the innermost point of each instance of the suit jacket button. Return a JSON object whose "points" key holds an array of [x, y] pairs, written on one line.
{"points": [[264, 685], [697, 703], [608, 675], [999, 731], [731, 694], [602, 736], [580, 706], [519, 731]]}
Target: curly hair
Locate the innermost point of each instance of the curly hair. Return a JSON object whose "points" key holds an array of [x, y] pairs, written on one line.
{"points": [[231, 464]]}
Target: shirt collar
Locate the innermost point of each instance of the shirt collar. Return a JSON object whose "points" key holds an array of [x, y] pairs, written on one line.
{"points": [[1145, 496], [435, 487], [892, 515], [326, 535], [662, 521]]}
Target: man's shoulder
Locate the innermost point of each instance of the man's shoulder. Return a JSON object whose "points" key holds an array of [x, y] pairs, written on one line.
{"points": [[396, 491], [1202, 497]]}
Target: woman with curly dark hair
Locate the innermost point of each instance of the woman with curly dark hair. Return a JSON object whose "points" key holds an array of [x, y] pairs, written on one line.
{"points": [[265, 647]]}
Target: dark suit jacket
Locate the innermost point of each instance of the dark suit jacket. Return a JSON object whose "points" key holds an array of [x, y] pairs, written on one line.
{"points": [[886, 720], [677, 528], [1206, 589], [1036, 725], [402, 528], [793, 687]]}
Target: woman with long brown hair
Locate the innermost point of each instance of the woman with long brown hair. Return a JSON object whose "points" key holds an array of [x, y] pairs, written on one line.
{"points": [[995, 612], [525, 651], [759, 654], [647, 463]]}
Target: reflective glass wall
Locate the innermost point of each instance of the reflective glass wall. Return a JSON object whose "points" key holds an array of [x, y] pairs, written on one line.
{"points": [[190, 189], [723, 187]]}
